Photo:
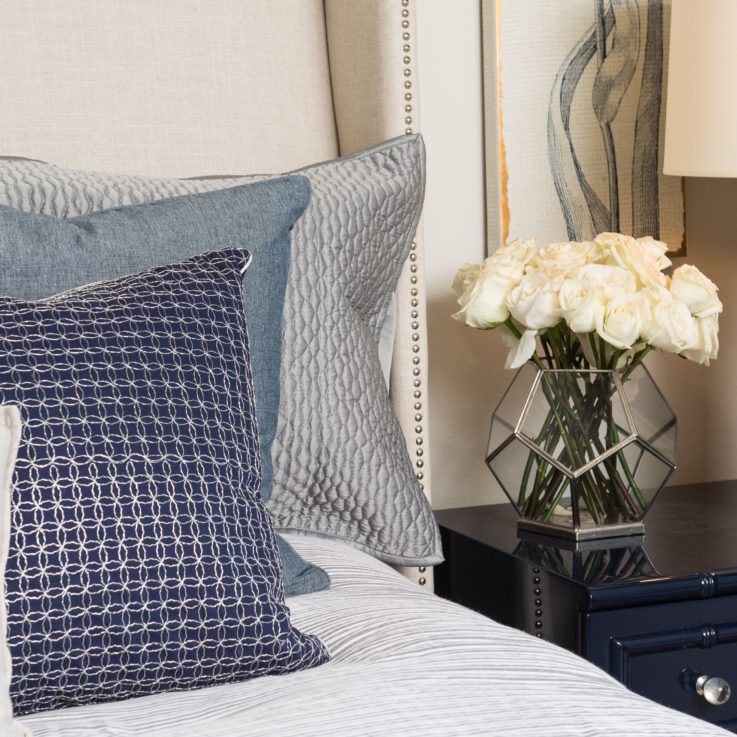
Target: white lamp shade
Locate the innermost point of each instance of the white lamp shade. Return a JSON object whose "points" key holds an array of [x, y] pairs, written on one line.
{"points": [[701, 107]]}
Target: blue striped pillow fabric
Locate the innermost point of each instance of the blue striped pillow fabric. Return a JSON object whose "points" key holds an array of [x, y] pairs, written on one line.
{"points": [[142, 558]]}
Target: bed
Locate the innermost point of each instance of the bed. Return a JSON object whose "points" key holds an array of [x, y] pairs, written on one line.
{"points": [[404, 662], [222, 87]]}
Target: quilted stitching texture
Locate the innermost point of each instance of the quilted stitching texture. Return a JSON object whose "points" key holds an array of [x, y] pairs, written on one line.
{"points": [[142, 558], [341, 464]]}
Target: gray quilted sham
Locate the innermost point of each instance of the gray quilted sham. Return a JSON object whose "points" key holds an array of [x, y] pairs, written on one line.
{"points": [[341, 467]]}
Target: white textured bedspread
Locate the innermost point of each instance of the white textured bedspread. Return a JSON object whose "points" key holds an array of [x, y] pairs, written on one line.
{"points": [[404, 662]]}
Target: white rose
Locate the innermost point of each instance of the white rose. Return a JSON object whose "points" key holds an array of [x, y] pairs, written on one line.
{"points": [[484, 302], [511, 259], [696, 290], [465, 277], [608, 281], [580, 306], [534, 302], [656, 250], [627, 253], [671, 327], [566, 257], [707, 344], [518, 249], [624, 316]]}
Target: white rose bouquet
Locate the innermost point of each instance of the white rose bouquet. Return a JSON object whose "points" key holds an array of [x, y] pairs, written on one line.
{"points": [[602, 304], [593, 306]]}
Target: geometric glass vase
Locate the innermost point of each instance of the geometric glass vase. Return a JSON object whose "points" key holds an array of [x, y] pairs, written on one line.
{"points": [[582, 453]]}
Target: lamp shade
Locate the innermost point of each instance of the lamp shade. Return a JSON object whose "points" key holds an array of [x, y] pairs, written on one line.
{"points": [[701, 107]]}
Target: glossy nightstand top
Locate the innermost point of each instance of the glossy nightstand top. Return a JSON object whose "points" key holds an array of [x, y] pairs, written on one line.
{"points": [[689, 549]]}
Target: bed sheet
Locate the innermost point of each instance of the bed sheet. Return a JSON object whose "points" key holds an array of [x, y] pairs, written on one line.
{"points": [[404, 662]]}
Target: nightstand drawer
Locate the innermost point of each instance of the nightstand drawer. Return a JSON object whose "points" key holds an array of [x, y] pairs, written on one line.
{"points": [[664, 666], [660, 652]]}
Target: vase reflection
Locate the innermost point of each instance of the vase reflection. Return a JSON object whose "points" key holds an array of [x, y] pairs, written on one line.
{"points": [[591, 562]]}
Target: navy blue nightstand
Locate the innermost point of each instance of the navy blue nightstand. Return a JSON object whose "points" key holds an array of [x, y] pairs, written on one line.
{"points": [[659, 613]]}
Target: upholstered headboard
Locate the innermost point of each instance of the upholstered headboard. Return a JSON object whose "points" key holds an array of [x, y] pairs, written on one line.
{"points": [[173, 88]]}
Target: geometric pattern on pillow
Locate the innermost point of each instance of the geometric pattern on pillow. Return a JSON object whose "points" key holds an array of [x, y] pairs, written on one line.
{"points": [[341, 467], [141, 556], [42, 254]]}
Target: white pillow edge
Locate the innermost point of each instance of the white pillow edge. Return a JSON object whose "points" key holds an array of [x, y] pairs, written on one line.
{"points": [[10, 429]]}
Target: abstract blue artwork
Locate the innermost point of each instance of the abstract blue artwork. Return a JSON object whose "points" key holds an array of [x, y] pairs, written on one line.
{"points": [[574, 116]]}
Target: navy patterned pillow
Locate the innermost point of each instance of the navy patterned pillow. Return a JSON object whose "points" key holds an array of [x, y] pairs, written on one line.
{"points": [[141, 556]]}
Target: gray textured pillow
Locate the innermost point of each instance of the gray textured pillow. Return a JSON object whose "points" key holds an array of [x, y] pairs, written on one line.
{"points": [[341, 467]]}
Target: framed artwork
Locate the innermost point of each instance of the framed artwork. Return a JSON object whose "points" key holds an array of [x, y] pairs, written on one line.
{"points": [[574, 104]]}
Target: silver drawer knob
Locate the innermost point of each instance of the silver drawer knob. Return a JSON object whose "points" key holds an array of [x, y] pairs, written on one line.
{"points": [[715, 690]]}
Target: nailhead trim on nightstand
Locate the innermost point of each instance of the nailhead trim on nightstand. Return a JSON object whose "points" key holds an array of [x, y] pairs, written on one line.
{"points": [[538, 603]]}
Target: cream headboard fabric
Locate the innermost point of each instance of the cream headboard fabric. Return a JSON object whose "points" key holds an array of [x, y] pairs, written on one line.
{"points": [[178, 89], [166, 87]]}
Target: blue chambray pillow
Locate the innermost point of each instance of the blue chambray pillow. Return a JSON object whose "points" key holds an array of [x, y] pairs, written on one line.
{"points": [[142, 558]]}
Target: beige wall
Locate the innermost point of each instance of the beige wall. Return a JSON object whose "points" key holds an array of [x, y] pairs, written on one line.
{"points": [[466, 374]]}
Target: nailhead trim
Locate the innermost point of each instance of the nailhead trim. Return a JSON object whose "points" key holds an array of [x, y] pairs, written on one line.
{"points": [[414, 291]]}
